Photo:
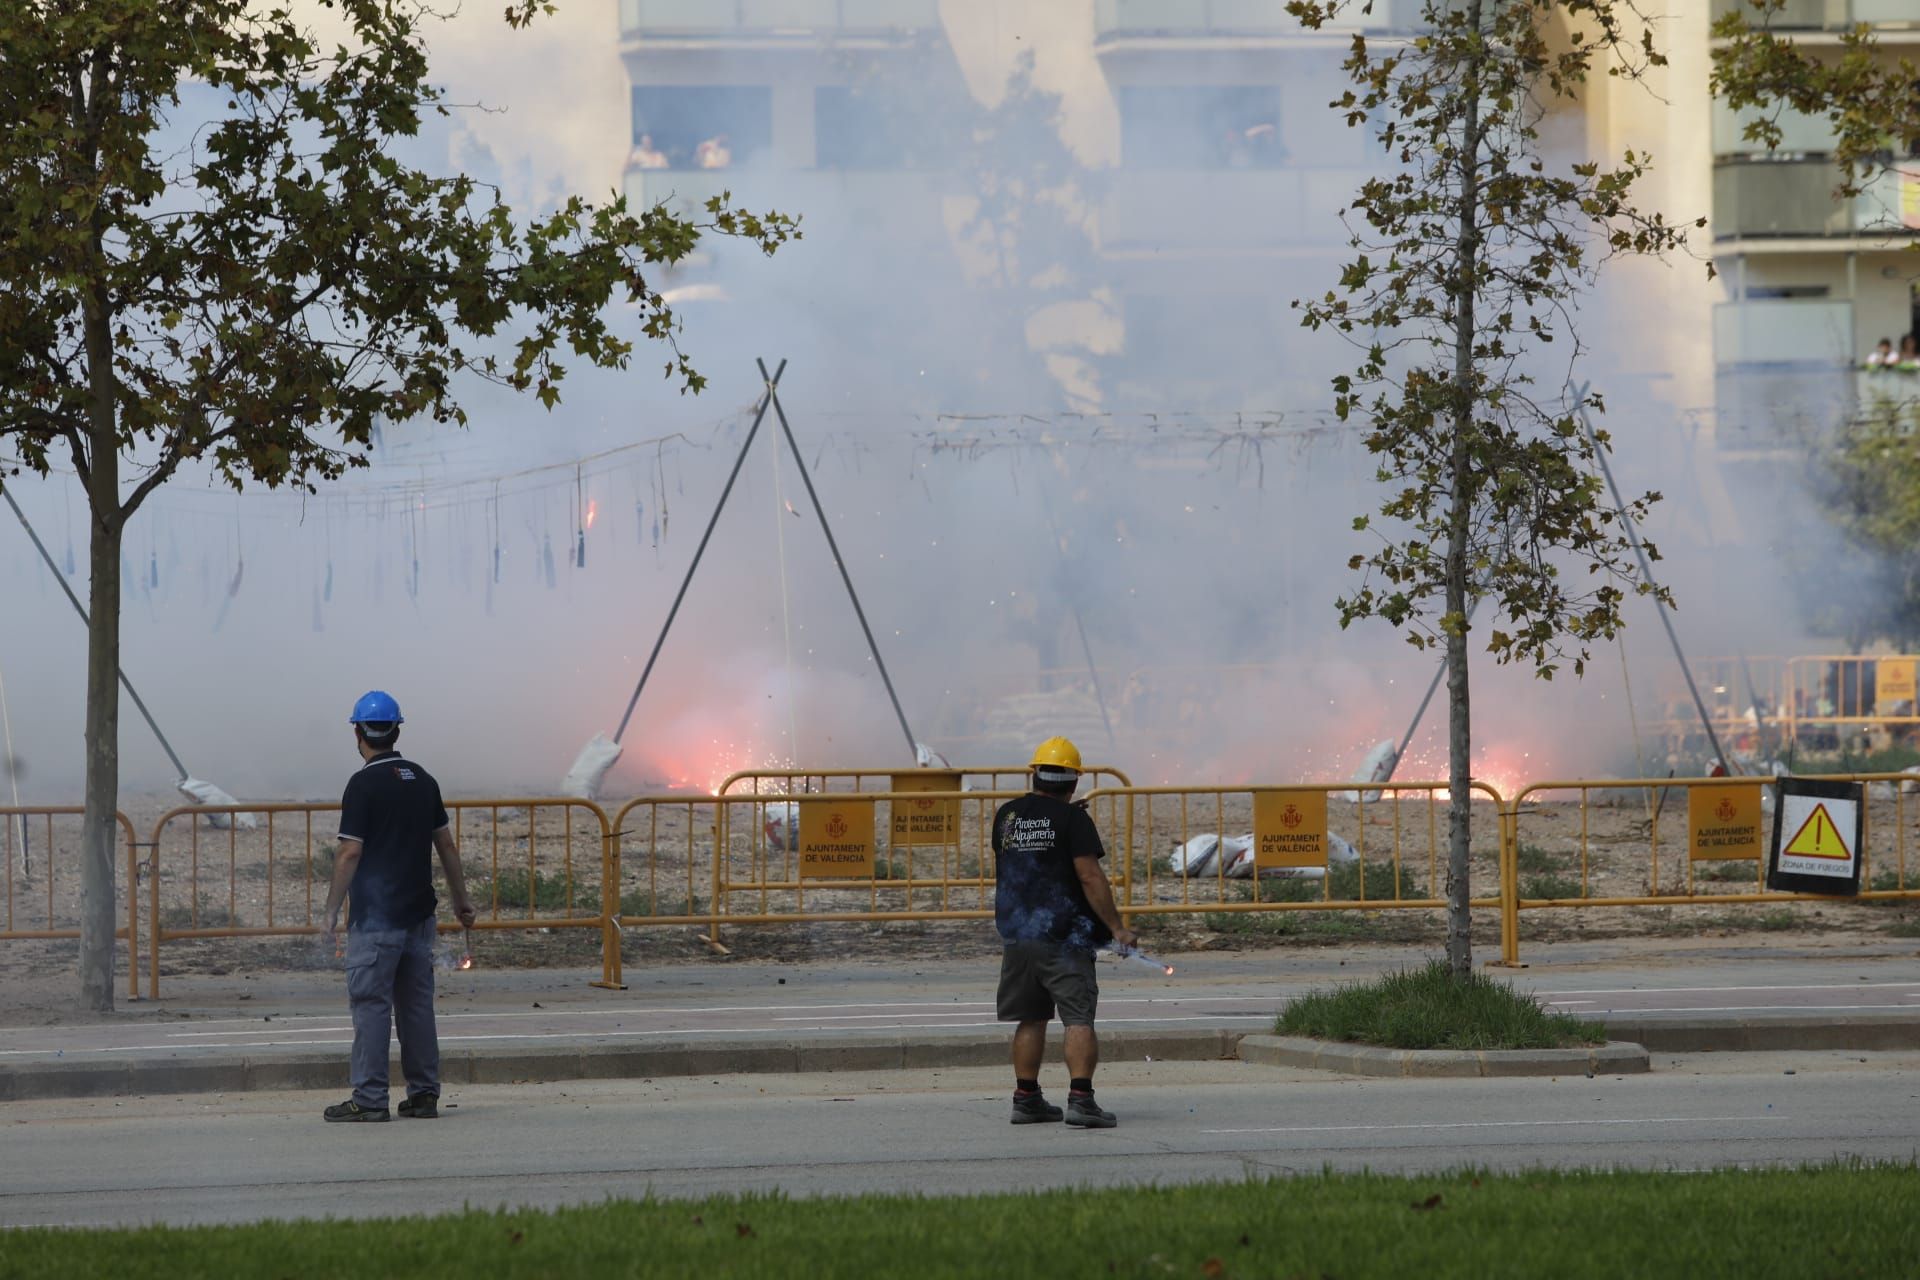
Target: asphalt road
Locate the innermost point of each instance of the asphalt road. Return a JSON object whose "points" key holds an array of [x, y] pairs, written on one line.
{"points": [[745, 1000], [246, 1157]]}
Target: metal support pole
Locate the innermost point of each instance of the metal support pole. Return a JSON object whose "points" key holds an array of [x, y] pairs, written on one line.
{"points": [[765, 399], [1646, 575], [913, 745], [81, 609]]}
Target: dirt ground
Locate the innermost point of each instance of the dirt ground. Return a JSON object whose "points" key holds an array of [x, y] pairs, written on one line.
{"points": [[536, 877]]}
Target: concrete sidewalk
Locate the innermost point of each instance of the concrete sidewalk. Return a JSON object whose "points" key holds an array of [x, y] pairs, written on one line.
{"points": [[290, 1032]]}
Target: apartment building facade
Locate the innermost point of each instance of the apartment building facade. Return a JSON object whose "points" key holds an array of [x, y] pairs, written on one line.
{"points": [[1811, 282], [1223, 176]]}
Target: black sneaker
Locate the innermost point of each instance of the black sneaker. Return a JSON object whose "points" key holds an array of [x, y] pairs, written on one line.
{"points": [[1034, 1109], [351, 1112], [1084, 1113], [421, 1106]]}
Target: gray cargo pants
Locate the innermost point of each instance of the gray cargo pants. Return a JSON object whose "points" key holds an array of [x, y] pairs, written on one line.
{"points": [[389, 984]]}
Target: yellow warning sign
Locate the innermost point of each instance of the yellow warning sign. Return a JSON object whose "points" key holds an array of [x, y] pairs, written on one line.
{"points": [[1818, 837], [836, 838], [928, 821], [1289, 829], [1892, 683], [1724, 823]]}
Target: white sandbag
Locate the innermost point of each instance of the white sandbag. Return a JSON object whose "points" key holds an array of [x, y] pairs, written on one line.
{"points": [[590, 768], [1377, 767], [1908, 788], [1236, 854], [1195, 857], [782, 824], [1879, 791], [1339, 852], [206, 793]]}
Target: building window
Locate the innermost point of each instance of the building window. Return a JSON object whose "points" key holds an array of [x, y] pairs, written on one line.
{"points": [[700, 126], [855, 131], [1236, 127]]}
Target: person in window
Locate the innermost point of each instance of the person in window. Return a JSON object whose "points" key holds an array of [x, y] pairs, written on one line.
{"points": [[1908, 359], [1882, 355], [713, 153], [646, 155]]}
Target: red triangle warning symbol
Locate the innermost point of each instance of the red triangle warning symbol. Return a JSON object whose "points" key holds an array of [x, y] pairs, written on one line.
{"points": [[1818, 838]]}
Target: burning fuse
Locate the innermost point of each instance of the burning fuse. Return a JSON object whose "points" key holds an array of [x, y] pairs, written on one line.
{"points": [[1138, 956]]}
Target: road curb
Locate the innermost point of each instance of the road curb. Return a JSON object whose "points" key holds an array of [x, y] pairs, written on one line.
{"points": [[1612, 1059], [1897, 1030], [299, 1070], [290, 1072]]}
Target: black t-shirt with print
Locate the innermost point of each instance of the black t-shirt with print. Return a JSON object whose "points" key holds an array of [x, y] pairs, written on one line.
{"points": [[392, 807], [1037, 894]]}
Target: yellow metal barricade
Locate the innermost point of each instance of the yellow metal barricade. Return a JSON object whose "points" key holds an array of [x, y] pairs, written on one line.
{"points": [[41, 849], [1744, 698], [1659, 842], [845, 855], [1305, 847], [530, 863], [1828, 693], [661, 854], [1002, 777]]}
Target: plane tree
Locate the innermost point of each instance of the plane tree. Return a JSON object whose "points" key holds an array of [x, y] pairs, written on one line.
{"points": [[250, 291]]}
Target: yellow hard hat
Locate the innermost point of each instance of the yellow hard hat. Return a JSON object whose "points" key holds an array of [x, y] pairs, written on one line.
{"points": [[1057, 753]]}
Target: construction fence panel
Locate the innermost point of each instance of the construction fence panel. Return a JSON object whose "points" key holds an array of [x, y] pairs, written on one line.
{"points": [[662, 852], [1299, 847], [41, 847], [1002, 777], [264, 870], [1743, 696], [1827, 694], [847, 855], [1663, 842]]}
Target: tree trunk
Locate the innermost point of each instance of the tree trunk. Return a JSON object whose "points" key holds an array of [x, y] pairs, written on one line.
{"points": [[100, 470], [99, 831], [1459, 529]]}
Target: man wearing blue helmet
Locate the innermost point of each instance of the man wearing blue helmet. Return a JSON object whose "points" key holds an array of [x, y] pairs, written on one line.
{"points": [[391, 821]]}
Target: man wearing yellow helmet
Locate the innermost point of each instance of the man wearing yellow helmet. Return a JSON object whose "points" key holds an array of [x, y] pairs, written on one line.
{"points": [[1054, 908]]}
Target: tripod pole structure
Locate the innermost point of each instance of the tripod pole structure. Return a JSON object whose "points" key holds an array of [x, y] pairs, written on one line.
{"points": [[779, 411], [81, 609], [765, 399], [1646, 576]]}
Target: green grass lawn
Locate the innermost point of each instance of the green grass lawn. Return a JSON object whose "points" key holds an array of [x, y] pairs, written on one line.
{"points": [[1742, 1224]]}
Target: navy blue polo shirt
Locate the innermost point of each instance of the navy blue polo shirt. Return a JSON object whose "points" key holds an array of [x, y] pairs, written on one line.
{"points": [[392, 807], [1037, 894]]}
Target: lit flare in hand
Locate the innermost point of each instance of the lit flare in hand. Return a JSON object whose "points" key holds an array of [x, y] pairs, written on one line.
{"points": [[1138, 956]]}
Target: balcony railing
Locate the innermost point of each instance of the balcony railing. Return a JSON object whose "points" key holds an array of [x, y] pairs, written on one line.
{"points": [[1794, 199], [1783, 332], [774, 17], [1228, 18], [1827, 15], [1801, 134]]}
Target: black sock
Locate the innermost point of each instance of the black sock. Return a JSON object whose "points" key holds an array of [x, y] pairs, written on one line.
{"points": [[1081, 1084], [1025, 1086]]}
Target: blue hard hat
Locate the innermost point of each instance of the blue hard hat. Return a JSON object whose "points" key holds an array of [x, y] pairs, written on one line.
{"points": [[376, 707]]}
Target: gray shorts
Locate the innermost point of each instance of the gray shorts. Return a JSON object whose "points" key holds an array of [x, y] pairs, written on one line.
{"points": [[1036, 978]]}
